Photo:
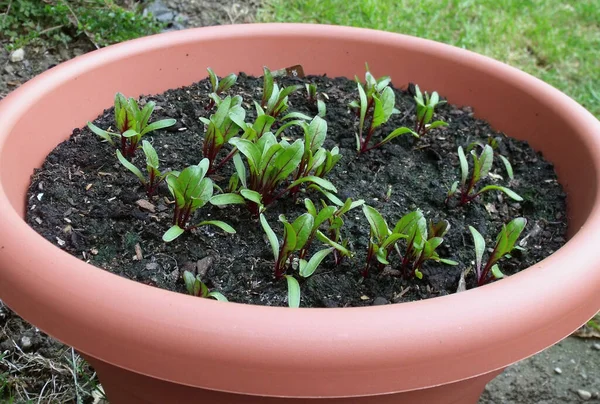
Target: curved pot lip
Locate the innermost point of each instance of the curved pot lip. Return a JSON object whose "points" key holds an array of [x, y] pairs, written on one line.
{"points": [[399, 346]]}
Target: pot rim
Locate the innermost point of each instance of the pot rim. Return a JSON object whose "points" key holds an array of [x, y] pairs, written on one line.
{"points": [[311, 352]]}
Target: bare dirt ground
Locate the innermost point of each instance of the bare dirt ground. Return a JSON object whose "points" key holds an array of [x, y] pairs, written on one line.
{"points": [[35, 367]]}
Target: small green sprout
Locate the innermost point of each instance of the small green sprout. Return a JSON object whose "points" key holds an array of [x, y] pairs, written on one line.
{"points": [[296, 238], [375, 106], [412, 227], [425, 108], [132, 124], [315, 160], [334, 216], [192, 190], [316, 98], [274, 100], [223, 125], [219, 87], [270, 164], [505, 243], [196, 287], [155, 177], [482, 165]]}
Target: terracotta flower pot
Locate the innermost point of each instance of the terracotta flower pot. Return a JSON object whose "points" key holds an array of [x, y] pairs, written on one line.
{"points": [[152, 345]]}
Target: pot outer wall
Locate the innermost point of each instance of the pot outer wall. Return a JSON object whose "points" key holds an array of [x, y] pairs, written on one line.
{"points": [[457, 342], [125, 387]]}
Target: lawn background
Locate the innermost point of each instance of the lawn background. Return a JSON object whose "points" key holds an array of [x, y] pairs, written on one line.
{"points": [[557, 41]]}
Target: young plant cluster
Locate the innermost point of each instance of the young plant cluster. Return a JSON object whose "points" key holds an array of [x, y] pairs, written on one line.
{"points": [[269, 165], [470, 180]]}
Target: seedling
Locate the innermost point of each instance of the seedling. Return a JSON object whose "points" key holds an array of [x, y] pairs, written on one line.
{"points": [[219, 87], [315, 98], [192, 190], [196, 287], [412, 227], [271, 164], [426, 106], [334, 217], [155, 177], [315, 160], [505, 243], [131, 123], [274, 100], [296, 236], [223, 125], [482, 165], [375, 106]]}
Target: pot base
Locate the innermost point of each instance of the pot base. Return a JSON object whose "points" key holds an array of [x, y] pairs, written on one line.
{"points": [[125, 387]]}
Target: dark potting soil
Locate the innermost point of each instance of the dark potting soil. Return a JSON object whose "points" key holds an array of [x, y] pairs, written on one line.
{"points": [[89, 205]]}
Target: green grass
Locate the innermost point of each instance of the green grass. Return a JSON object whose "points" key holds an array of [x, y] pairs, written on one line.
{"points": [[557, 41]]}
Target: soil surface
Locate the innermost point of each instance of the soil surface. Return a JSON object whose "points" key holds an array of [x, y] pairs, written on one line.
{"points": [[85, 202]]}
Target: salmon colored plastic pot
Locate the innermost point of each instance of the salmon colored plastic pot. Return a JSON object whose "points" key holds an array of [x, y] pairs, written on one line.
{"points": [[151, 345]]}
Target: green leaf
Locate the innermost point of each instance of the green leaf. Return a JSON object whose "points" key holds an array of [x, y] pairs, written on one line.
{"points": [[214, 80], [508, 237], [252, 196], [310, 207], [218, 296], [145, 114], [293, 292], [397, 132], [189, 279], [363, 107], [507, 166], [392, 239], [447, 261], [217, 223], [485, 162], [479, 243], [171, 234], [332, 197], [227, 199], [271, 236], [325, 214], [324, 239], [263, 124], [102, 133], [321, 182], [226, 83], [306, 269], [321, 108], [240, 169], [378, 225], [267, 85], [165, 123], [303, 226], [130, 133], [150, 153], [378, 113], [317, 131], [464, 166], [296, 115], [496, 273], [120, 111], [453, 188], [418, 274], [407, 223], [222, 111], [131, 167], [511, 194], [248, 149], [387, 102], [436, 124], [289, 237], [287, 161]]}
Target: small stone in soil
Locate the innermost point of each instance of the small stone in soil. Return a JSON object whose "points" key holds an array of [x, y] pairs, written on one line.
{"points": [[25, 343], [204, 265], [558, 371], [146, 205], [17, 55], [584, 394], [152, 266], [596, 347], [380, 301]]}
